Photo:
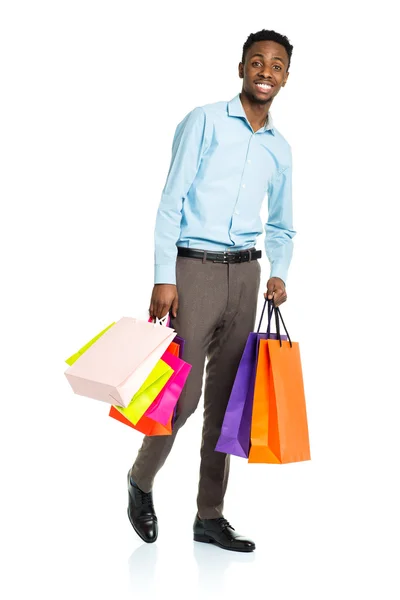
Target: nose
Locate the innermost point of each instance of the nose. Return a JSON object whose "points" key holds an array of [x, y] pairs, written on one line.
{"points": [[266, 72]]}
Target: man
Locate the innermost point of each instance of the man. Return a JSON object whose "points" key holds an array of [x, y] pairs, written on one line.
{"points": [[225, 158]]}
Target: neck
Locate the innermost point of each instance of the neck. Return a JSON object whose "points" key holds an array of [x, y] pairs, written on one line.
{"points": [[256, 112]]}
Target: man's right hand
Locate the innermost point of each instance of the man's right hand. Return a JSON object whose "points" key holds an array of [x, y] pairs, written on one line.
{"points": [[163, 299]]}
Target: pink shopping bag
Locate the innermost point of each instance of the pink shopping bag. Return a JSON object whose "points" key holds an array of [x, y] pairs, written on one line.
{"points": [[162, 407], [115, 367]]}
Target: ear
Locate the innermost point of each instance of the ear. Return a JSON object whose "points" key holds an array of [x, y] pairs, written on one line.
{"points": [[241, 70], [286, 78]]}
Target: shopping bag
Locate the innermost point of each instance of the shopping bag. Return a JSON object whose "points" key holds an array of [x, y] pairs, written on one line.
{"points": [[279, 429], [173, 349], [70, 361], [235, 431], [159, 407], [114, 365], [149, 391], [144, 425], [177, 339], [163, 406]]}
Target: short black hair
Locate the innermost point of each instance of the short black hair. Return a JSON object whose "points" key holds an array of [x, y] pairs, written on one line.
{"points": [[266, 35]]}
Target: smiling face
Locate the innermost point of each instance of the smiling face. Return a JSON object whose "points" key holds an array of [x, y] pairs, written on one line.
{"points": [[264, 71]]}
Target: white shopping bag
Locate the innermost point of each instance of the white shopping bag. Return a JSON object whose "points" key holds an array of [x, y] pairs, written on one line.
{"points": [[117, 364]]}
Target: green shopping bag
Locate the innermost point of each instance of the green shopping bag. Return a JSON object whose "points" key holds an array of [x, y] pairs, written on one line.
{"points": [[70, 361], [149, 391]]}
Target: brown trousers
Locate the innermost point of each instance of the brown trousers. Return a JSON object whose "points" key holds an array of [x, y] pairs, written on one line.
{"points": [[217, 310]]}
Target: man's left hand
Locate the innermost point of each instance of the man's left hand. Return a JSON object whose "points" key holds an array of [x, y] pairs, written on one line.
{"points": [[276, 290]]}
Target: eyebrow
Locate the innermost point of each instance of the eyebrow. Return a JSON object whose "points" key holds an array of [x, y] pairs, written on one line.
{"points": [[274, 57]]}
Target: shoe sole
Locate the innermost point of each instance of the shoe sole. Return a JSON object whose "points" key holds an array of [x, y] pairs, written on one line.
{"points": [[207, 540]]}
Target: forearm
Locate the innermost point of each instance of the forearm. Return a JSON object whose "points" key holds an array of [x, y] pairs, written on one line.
{"points": [[279, 250], [279, 232], [166, 234]]}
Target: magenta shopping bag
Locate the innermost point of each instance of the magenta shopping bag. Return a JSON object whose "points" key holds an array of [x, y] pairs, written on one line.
{"points": [[181, 342], [164, 405], [177, 340], [236, 426]]}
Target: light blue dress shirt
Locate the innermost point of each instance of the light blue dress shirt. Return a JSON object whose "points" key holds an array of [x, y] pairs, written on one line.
{"points": [[220, 172]]}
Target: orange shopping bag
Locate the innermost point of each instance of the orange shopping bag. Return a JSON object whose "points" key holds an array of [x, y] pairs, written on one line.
{"points": [[144, 425], [279, 428]]}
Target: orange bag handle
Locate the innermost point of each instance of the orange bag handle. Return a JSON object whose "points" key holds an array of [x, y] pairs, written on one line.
{"points": [[277, 317]]}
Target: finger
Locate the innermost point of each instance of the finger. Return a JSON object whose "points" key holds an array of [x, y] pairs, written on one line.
{"points": [[151, 311], [163, 310], [175, 305], [280, 299], [157, 310], [160, 313]]}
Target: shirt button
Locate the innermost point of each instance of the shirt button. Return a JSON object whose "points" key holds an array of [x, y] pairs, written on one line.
{"points": [[244, 185], [237, 212], [248, 160]]}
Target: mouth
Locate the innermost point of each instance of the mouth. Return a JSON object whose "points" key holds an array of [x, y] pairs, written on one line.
{"points": [[265, 88]]}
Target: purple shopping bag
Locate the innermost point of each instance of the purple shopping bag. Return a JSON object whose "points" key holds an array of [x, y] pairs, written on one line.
{"points": [[235, 432]]}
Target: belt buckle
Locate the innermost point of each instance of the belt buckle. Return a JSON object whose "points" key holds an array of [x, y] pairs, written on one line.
{"points": [[224, 261], [219, 261]]}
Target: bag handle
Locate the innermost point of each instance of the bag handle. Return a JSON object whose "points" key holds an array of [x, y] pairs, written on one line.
{"points": [[165, 320], [270, 312], [277, 312], [277, 317], [262, 314]]}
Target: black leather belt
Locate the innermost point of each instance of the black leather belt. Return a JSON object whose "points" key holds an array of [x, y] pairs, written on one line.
{"points": [[221, 257]]}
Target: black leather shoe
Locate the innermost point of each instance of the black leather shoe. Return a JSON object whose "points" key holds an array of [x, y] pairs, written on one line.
{"points": [[141, 513], [221, 533]]}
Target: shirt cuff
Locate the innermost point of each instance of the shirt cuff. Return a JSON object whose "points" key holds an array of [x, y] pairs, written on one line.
{"points": [[165, 274], [279, 270]]}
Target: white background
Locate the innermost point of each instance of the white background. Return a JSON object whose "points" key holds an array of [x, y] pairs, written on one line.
{"points": [[91, 94]]}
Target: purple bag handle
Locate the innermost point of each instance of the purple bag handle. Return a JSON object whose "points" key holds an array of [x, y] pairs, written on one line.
{"points": [[262, 315]]}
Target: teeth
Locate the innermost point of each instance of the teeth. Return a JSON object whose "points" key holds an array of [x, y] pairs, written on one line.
{"points": [[265, 86]]}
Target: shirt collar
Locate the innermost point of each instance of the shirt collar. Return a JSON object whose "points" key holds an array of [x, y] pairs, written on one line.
{"points": [[235, 109]]}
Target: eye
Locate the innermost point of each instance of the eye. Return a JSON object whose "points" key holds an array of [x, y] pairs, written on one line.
{"points": [[256, 63], [279, 67]]}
